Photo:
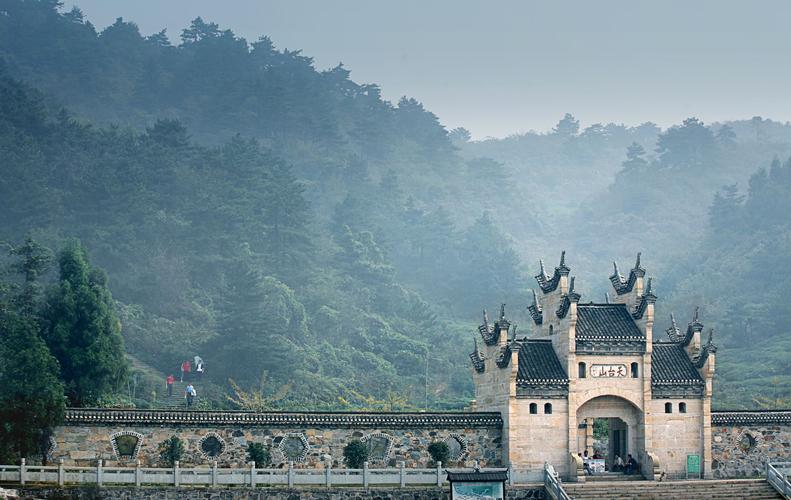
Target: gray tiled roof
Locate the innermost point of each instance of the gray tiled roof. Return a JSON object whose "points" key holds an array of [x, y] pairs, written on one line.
{"points": [[471, 477], [606, 321], [670, 365], [740, 417], [538, 364], [433, 420]]}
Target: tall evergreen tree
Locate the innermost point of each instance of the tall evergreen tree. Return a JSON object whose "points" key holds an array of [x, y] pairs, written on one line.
{"points": [[261, 326], [83, 331], [31, 395]]}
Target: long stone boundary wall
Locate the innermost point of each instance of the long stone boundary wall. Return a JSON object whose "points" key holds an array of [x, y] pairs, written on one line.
{"points": [[743, 441], [122, 437], [512, 493]]}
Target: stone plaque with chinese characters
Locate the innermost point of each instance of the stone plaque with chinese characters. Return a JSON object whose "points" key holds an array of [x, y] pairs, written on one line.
{"points": [[608, 371]]}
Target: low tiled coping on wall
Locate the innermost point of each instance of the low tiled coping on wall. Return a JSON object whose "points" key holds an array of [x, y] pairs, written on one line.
{"points": [[308, 419], [739, 417]]}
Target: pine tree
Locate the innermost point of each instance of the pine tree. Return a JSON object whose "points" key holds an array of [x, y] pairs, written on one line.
{"points": [[31, 396], [83, 331], [568, 126], [260, 326], [31, 400]]}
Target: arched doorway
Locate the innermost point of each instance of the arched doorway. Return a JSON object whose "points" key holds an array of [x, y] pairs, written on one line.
{"points": [[610, 426]]}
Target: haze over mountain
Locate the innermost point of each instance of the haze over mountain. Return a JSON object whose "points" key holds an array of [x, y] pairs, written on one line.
{"points": [[279, 218], [515, 66]]}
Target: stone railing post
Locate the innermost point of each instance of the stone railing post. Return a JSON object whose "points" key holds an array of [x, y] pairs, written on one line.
{"points": [[511, 479], [176, 473], [439, 474], [61, 473], [99, 473], [290, 474], [328, 475], [365, 474], [22, 472], [214, 474], [252, 474], [401, 474], [138, 475]]}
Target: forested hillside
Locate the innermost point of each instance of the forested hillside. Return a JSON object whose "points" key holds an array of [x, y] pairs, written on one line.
{"points": [[277, 218]]}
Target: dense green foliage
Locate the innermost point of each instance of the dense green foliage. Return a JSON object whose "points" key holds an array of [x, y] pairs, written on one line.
{"points": [[276, 218], [439, 451], [171, 450], [83, 332], [259, 454], [355, 453], [31, 401], [31, 396]]}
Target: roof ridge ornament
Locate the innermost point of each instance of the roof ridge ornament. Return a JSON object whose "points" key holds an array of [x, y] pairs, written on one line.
{"points": [[486, 331], [622, 285], [694, 326], [673, 332], [550, 284], [502, 322], [708, 349], [536, 311], [568, 299], [477, 358], [645, 300]]}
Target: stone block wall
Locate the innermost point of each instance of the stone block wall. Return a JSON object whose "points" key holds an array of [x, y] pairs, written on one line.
{"points": [[540, 437], [676, 435], [512, 493], [86, 436], [742, 442]]}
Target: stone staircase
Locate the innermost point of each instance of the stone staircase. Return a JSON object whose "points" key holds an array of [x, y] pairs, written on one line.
{"points": [[177, 400], [732, 489]]}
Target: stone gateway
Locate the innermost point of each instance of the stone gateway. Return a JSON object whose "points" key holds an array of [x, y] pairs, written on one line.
{"points": [[593, 361]]}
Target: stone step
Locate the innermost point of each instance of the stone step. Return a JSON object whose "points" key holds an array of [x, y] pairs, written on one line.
{"points": [[651, 490], [612, 476]]}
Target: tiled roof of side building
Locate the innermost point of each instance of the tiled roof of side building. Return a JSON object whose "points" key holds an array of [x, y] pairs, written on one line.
{"points": [[670, 365], [604, 321], [539, 364]]}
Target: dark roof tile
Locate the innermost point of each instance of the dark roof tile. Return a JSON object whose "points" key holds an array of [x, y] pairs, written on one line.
{"points": [[538, 363], [606, 321], [670, 365], [471, 477]]}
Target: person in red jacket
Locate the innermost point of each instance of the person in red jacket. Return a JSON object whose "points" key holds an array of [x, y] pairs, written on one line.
{"points": [[185, 369], [170, 380]]}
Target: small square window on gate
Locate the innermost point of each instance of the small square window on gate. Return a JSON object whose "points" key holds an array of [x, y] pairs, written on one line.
{"points": [[682, 407], [668, 407], [548, 409], [533, 409]]}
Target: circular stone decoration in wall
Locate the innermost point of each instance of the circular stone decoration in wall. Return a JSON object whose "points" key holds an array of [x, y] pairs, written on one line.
{"points": [[457, 446], [294, 447], [746, 442], [126, 444], [379, 445], [211, 446]]}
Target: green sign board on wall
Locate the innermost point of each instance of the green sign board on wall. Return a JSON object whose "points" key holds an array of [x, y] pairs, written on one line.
{"points": [[693, 465]]}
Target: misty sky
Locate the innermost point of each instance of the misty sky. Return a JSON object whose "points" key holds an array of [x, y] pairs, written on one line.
{"points": [[500, 67]]}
